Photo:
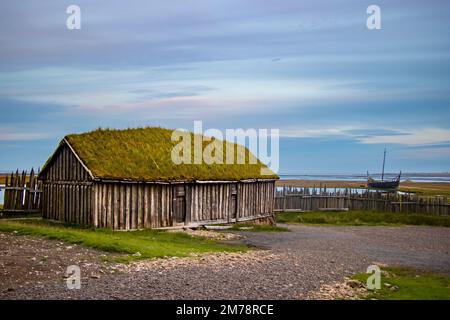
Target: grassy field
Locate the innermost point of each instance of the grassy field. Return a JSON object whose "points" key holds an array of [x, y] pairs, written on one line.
{"points": [[149, 243], [408, 284], [427, 189], [358, 218]]}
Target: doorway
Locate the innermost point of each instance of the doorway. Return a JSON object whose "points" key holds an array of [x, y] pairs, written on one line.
{"points": [[179, 205]]}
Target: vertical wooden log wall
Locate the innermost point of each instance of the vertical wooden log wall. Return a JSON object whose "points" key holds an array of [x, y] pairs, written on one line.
{"points": [[215, 202], [67, 189], [130, 206]]}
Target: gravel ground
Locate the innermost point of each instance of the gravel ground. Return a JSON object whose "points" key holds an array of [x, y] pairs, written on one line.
{"points": [[293, 265]]}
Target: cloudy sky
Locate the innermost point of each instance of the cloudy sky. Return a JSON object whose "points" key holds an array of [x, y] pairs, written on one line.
{"points": [[337, 91]]}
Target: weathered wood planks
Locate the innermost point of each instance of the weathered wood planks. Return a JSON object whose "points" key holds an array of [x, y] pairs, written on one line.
{"points": [[23, 193], [306, 199]]}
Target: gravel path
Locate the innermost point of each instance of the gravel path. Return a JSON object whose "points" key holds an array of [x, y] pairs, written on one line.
{"points": [[420, 247], [294, 264]]}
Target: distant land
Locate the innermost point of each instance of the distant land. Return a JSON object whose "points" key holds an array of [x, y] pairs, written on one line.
{"points": [[406, 176]]}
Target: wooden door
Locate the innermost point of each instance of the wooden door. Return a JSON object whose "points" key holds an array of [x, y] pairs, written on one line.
{"points": [[233, 199], [179, 204]]}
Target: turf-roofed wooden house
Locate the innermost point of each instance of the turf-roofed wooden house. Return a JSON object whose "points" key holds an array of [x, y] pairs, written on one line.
{"points": [[126, 179]]}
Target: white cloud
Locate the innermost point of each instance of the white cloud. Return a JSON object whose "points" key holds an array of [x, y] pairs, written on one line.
{"points": [[318, 132], [22, 136], [228, 84], [190, 90], [412, 137], [408, 137]]}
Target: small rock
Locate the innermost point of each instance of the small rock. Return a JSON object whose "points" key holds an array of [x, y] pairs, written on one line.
{"points": [[354, 284], [137, 254], [394, 288]]}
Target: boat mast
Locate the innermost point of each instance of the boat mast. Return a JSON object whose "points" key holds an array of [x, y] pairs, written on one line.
{"points": [[384, 160]]}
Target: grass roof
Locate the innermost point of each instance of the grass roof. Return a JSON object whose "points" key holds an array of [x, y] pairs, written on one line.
{"points": [[144, 154]]}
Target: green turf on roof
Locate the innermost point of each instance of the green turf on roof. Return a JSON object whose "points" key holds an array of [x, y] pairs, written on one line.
{"points": [[144, 154]]}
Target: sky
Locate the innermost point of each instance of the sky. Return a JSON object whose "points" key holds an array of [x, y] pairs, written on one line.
{"points": [[337, 91]]}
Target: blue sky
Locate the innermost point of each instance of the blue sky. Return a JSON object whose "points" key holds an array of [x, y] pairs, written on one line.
{"points": [[337, 91]]}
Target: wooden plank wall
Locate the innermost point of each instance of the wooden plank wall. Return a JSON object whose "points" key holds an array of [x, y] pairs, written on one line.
{"points": [[65, 167], [67, 189], [209, 202], [323, 198], [213, 202], [130, 206], [255, 199], [69, 203]]}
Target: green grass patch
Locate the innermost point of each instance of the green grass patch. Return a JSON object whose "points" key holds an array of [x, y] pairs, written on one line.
{"points": [[258, 228], [149, 243], [360, 218], [426, 192], [409, 284]]}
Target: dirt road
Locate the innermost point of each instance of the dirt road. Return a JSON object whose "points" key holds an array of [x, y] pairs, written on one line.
{"points": [[291, 265]]}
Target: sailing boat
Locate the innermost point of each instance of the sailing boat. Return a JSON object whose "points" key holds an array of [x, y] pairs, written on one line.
{"points": [[382, 184]]}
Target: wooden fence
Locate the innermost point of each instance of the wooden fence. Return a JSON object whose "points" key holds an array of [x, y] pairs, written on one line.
{"points": [[22, 194], [308, 199]]}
